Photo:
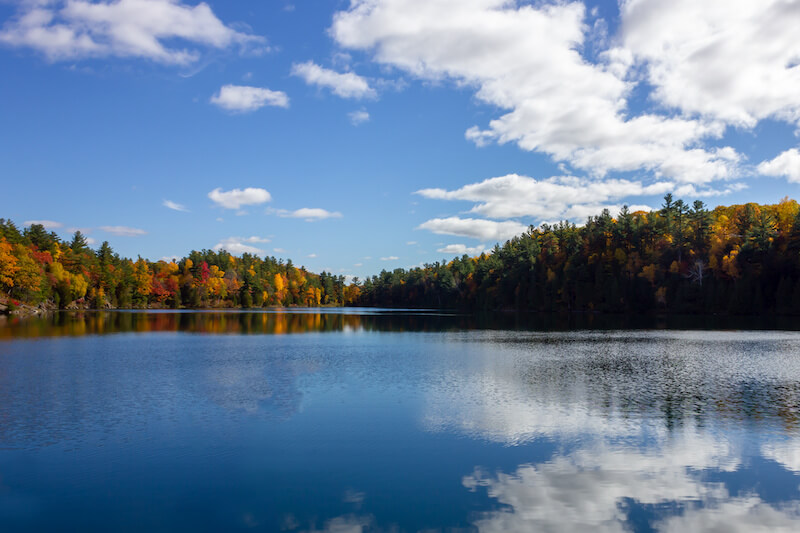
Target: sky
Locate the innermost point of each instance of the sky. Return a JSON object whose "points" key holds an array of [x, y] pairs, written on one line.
{"points": [[356, 136]]}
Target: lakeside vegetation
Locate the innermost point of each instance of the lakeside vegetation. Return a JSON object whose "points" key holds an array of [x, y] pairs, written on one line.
{"points": [[38, 268], [740, 259]]}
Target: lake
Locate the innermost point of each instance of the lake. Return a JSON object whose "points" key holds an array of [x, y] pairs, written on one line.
{"points": [[374, 420]]}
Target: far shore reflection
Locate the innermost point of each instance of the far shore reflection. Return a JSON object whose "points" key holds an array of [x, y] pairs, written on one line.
{"points": [[277, 321]]}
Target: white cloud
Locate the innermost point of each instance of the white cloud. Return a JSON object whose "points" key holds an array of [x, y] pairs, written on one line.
{"points": [[243, 98], [729, 60], [241, 245], [309, 214], [390, 258], [786, 164], [149, 29], [565, 197], [279, 250], [48, 224], [236, 198], [484, 230], [526, 59], [411, 243], [312, 256], [346, 85], [461, 249], [123, 231], [358, 117], [174, 206]]}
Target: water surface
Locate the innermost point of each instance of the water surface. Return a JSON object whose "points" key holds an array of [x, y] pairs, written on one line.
{"points": [[366, 420]]}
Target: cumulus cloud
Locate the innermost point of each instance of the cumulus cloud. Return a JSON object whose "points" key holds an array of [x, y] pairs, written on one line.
{"points": [[344, 84], [309, 214], [149, 29], [786, 164], [123, 231], [169, 204], [734, 61], [236, 198], [390, 258], [243, 98], [241, 245], [560, 197], [461, 249], [476, 228], [526, 59], [48, 224], [358, 117]]}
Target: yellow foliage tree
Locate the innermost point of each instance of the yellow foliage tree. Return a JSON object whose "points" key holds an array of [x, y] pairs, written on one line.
{"points": [[8, 264]]}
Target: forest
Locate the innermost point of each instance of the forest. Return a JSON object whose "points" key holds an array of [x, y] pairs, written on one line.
{"points": [[38, 268], [739, 259], [681, 258]]}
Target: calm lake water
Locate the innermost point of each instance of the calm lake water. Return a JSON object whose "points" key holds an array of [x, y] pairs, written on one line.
{"points": [[363, 420]]}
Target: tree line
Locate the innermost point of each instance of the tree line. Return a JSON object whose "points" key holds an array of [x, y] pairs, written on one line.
{"points": [[739, 259], [37, 267]]}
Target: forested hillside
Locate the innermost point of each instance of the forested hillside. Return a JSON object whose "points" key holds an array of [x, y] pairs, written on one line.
{"points": [[37, 267], [741, 259]]}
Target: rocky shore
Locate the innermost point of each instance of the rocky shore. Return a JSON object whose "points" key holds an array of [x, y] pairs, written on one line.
{"points": [[20, 309]]}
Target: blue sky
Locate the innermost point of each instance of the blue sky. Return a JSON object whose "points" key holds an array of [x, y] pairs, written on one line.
{"points": [[385, 133]]}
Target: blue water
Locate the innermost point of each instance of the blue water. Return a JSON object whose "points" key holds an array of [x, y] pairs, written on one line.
{"points": [[371, 421]]}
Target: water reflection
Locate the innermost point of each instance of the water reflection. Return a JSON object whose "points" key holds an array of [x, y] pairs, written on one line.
{"points": [[516, 387], [599, 488], [445, 427], [273, 322], [286, 321], [86, 390]]}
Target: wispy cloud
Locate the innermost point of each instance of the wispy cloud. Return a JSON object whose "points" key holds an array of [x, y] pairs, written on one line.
{"points": [[48, 224], [358, 117], [169, 204], [309, 214], [344, 84], [123, 231]]}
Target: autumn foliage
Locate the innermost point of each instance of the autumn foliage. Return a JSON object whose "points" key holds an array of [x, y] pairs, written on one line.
{"points": [[739, 259], [37, 266]]}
